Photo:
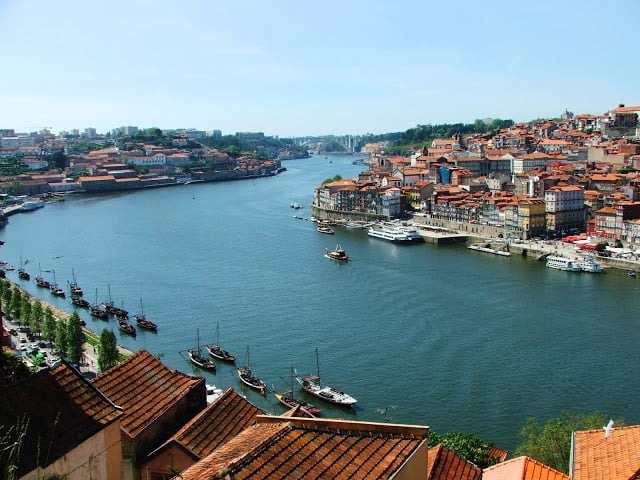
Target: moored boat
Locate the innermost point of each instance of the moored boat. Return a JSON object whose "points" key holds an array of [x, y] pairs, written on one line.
{"points": [[563, 263], [287, 399], [97, 310], [80, 302], [312, 385], [22, 273], [199, 360], [250, 379], [216, 350], [589, 265], [143, 322], [338, 254], [55, 289], [40, 281], [324, 229], [394, 234], [75, 289], [126, 327]]}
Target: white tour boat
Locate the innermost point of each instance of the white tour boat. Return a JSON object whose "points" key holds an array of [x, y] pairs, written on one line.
{"points": [[395, 234], [588, 264], [563, 263]]}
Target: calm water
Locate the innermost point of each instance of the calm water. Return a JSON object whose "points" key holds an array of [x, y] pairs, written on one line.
{"points": [[441, 336]]}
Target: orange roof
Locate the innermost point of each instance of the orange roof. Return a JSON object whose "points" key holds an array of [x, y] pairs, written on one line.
{"points": [[288, 447], [443, 464], [523, 468], [144, 388], [614, 458]]}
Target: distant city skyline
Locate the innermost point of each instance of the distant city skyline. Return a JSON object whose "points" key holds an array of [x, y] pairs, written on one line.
{"points": [[287, 69]]}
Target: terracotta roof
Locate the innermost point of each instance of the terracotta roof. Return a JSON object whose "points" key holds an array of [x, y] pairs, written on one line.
{"points": [[443, 464], [523, 468], [281, 447], [614, 458], [144, 388], [221, 421], [63, 410]]}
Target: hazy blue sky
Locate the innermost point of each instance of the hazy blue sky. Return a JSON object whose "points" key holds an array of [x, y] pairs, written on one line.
{"points": [[298, 67]]}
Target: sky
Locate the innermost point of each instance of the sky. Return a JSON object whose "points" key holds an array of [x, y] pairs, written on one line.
{"points": [[295, 68]]}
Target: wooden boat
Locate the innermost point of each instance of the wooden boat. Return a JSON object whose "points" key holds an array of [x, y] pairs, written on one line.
{"points": [[55, 289], [143, 322], [312, 384], [288, 400], [126, 327], [248, 377], [73, 285], [97, 310], [199, 360], [40, 281], [339, 254], [111, 309], [22, 273], [80, 302], [215, 350]]}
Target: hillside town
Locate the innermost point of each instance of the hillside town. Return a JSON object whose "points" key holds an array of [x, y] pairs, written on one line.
{"points": [[543, 179]]}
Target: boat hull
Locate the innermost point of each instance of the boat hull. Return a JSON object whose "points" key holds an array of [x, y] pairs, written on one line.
{"points": [[326, 393]]}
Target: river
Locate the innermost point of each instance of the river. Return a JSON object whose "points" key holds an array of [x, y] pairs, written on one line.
{"points": [[433, 335]]}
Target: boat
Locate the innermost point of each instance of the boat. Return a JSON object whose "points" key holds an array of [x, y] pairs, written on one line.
{"points": [[354, 226], [80, 302], [248, 377], [215, 350], [287, 399], [40, 281], [31, 205], [338, 254], [112, 309], [563, 263], [589, 265], [97, 310], [632, 274], [143, 322], [55, 289], [213, 392], [126, 327], [324, 229], [73, 285], [199, 360], [395, 234], [296, 205], [22, 273], [312, 384]]}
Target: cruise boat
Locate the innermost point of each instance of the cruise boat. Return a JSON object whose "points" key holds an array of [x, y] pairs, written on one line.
{"points": [[588, 264], [31, 205], [395, 234], [563, 263]]}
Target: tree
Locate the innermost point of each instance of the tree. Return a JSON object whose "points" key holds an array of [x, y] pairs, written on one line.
{"points": [[49, 327], [336, 178], [466, 445], [61, 338], [108, 355], [57, 160], [551, 443], [16, 303], [36, 317], [7, 296], [75, 338], [25, 309]]}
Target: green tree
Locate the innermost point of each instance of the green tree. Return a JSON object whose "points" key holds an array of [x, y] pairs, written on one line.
{"points": [[466, 445], [7, 297], [601, 246], [25, 309], [57, 160], [551, 443], [61, 338], [75, 338], [49, 326], [336, 178], [108, 355], [233, 151], [16, 303], [36, 317]]}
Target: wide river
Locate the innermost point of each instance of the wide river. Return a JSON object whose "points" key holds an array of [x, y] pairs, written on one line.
{"points": [[440, 336]]}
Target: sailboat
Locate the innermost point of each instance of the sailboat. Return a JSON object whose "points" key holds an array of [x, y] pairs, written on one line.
{"points": [[215, 350], [125, 326], [76, 291], [40, 281], [22, 273], [312, 384], [55, 289], [288, 400], [110, 307], [143, 322], [97, 310], [196, 357], [248, 378]]}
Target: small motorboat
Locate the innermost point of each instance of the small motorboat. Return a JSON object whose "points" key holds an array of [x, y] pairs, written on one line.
{"points": [[325, 229], [339, 254], [632, 274]]}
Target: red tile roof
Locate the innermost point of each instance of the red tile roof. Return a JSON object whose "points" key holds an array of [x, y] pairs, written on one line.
{"points": [[614, 458], [63, 410], [281, 447], [443, 464], [523, 468], [144, 388]]}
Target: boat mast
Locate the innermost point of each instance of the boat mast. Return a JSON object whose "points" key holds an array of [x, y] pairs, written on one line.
{"points": [[317, 363]]}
